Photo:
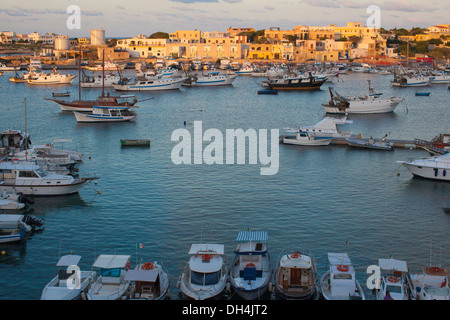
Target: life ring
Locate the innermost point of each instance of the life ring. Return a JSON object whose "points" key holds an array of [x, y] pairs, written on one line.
{"points": [[343, 267], [250, 265], [295, 255], [147, 266], [393, 279], [435, 269], [206, 257], [128, 265]]}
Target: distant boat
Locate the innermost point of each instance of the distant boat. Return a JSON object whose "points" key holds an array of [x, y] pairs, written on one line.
{"points": [[295, 83], [105, 114], [51, 78], [423, 93], [370, 144], [4, 67], [210, 79], [268, 91], [434, 168], [306, 139], [135, 142], [145, 84], [108, 66], [61, 94]]}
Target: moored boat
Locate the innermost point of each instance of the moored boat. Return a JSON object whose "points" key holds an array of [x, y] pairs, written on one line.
{"points": [[205, 275], [251, 272], [135, 142], [210, 79], [370, 144], [434, 168], [105, 114], [294, 82], [110, 283], [339, 281], [148, 281], [432, 284], [296, 276], [103, 100], [306, 139], [50, 78], [13, 227], [395, 279], [145, 84], [69, 283]]}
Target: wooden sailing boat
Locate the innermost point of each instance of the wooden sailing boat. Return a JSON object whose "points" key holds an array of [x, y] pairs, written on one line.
{"points": [[103, 100]]}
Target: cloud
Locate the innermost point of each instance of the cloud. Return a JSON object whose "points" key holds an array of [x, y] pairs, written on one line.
{"points": [[193, 1], [390, 5], [20, 12]]}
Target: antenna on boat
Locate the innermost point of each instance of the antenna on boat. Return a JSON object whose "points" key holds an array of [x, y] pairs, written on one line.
{"points": [[26, 132], [79, 74]]}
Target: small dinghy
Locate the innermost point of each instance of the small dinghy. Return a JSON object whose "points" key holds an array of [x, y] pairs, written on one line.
{"points": [[61, 94], [135, 142], [268, 91], [423, 93]]}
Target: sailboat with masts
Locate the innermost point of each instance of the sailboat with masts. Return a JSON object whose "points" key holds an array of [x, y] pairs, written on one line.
{"points": [[104, 100]]}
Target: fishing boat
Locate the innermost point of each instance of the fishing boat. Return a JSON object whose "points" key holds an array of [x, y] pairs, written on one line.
{"points": [[294, 82], [426, 94], [371, 103], [51, 78], [110, 283], [148, 281], [269, 73], [440, 78], [29, 179], [70, 283], [13, 227], [434, 168], [18, 79], [61, 94], [135, 142], [251, 272], [307, 139], [104, 100], [370, 143], [339, 281], [296, 276], [395, 279], [214, 78], [105, 114], [99, 81], [431, 284], [205, 275], [145, 84], [107, 66], [406, 80], [247, 69]]}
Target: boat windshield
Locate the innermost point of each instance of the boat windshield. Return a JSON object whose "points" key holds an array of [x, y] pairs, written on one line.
{"points": [[205, 279], [41, 172], [394, 289], [110, 272]]}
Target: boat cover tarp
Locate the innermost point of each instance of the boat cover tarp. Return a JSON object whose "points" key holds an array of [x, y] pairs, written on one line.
{"points": [[142, 275], [252, 236], [69, 260], [106, 261]]}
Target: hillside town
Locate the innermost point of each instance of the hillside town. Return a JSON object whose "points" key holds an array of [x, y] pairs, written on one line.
{"points": [[301, 44]]}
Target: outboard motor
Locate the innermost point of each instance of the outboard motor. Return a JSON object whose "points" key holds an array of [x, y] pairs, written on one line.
{"points": [[33, 221], [24, 199]]}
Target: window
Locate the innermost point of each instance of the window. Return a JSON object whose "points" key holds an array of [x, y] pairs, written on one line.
{"points": [[27, 174], [207, 279]]}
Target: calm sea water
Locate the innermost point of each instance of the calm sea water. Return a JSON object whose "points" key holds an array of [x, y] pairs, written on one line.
{"points": [[320, 199]]}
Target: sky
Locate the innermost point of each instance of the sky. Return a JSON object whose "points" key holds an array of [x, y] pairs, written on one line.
{"points": [[134, 17]]}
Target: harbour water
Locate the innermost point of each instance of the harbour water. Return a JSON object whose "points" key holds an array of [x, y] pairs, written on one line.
{"points": [[325, 199]]}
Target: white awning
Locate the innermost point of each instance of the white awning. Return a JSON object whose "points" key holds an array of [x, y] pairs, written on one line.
{"points": [[106, 261], [142, 275], [69, 260], [392, 264]]}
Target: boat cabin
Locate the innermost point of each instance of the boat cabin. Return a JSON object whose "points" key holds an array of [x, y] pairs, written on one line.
{"points": [[111, 268], [342, 275], [13, 139], [20, 171], [206, 264], [394, 279], [64, 277], [147, 283], [250, 250], [108, 112]]}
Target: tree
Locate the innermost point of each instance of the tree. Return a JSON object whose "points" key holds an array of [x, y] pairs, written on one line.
{"points": [[159, 35]]}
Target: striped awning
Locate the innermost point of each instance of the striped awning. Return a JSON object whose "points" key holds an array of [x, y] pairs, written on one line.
{"points": [[252, 236]]}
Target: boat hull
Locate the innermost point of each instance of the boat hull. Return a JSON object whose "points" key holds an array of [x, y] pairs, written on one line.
{"points": [[52, 81], [136, 142], [308, 142], [83, 117], [44, 190], [366, 145], [54, 292], [365, 107], [428, 172], [12, 236]]}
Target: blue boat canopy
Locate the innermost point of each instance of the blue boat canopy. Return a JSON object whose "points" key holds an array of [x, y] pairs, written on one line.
{"points": [[252, 236]]}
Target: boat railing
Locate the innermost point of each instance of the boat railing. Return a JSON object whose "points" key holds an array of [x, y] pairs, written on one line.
{"points": [[428, 145]]}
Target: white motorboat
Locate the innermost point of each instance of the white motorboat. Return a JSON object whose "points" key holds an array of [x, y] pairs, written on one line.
{"points": [[210, 79], [371, 103], [69, 283], [432, 284], [10, 201], [148, 282], [4, 67], [48, 153], [295, 276], [440, 78], [13, 227], [205, 275], [434, 168], [306, 139], [105, 114], [251, 272], [145, 84], [364, 68], [408, 80], [110, 283], [29, 178], [51, 78], [339, 281], [247, 69], [294, 82], [269, 73], [107, 66], [98, 81], [395, 279]]}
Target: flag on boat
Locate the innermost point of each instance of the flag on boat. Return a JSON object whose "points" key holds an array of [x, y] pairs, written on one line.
{"points": [[347, 242], [140, 245]]}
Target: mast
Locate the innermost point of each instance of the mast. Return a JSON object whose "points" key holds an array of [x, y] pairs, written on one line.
{"points": [[79, 75], [26, 132], [103, 74]]}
